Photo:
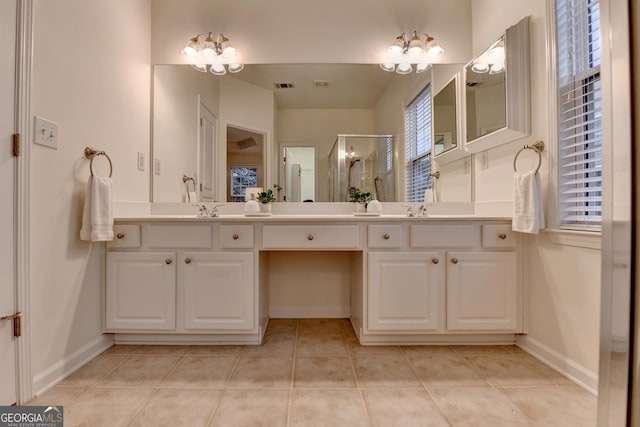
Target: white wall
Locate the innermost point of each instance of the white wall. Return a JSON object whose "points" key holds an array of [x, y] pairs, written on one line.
{"points": [[91, 76], [331, 31], [563, 282], [245, 106], [320, 127], [177, 92]]}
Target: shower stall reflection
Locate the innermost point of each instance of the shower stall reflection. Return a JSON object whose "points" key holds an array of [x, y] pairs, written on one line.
{"points": [[363, 162]]}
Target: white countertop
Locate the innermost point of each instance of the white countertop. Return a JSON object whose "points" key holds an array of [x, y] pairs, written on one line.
{"points": [[301, 212]]}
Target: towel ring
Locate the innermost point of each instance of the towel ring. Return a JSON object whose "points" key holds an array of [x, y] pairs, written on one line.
{"points": [[538, 147], [90, 153]]}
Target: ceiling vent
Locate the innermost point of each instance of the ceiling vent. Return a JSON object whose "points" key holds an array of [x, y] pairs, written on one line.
{"points": [[472, 84], [321, 83], [283, 85]]}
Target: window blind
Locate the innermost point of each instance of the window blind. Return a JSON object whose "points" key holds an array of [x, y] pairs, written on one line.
{"points": [[417, 134], [580, 114]]}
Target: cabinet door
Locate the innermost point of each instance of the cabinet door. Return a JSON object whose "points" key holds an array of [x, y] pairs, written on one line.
{"points": [[217, 291], [482, 291], [404, 292], [140, 291]]}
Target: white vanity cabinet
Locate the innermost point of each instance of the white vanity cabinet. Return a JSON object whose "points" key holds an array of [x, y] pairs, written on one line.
{"points": [[192, 280], [140, 291], [405, 291], [482, 291], [216, 291], [401, 280], [426, 280]]}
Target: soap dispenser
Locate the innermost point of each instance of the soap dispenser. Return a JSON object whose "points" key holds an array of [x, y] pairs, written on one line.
{"points": [[374, 206], [252, 207]]}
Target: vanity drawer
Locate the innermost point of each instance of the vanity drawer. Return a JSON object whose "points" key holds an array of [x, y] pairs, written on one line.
{"points": [[498, 236], [311, 237], [445, 236], [125, 236], [236, 236], [384, 236], [178, 236]]}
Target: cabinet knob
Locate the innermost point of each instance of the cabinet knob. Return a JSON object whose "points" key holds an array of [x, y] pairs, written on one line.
{"points": [[168, 261], [386, 236], [187, 260], [310, 237], [502, 236], [435, 260], [235, 237], [454, 260], [120, 236]]}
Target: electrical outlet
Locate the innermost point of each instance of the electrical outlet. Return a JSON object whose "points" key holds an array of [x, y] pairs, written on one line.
{"points": [[484, 160], [156, 166], [45, 133], [141, 161]]}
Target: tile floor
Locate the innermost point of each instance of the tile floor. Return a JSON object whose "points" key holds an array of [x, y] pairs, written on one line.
{"points": [[314, 373]]}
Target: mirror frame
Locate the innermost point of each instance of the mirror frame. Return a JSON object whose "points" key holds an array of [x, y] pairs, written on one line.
{"points": [[517, 81], [458, 152]]}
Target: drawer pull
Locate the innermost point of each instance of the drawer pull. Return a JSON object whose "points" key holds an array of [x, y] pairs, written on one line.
{"points": [[502, 236], [310, 237], [120, 236], [168, 261], [235, 237], [454, 260], [187, 260], [386, 236], [435, 260]]}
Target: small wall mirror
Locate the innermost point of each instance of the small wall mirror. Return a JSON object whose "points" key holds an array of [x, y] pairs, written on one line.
{"points": [[446, 135], [497, 91]]}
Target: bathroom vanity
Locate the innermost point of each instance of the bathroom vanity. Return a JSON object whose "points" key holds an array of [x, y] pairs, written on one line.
{"points": [[447, 279]]}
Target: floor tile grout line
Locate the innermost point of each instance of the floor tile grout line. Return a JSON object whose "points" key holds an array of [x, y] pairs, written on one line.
{"points": [[144, 404], [116, 366], [216, 406], [293, 373], [424, 386], [359, 388]]}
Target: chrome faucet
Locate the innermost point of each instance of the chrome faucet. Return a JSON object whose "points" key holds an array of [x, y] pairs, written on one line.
{"points": [[421, 211], [205, 212]]}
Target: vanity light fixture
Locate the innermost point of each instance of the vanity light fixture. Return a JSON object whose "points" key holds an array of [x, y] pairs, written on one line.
{"points": [[216, 55], [405, 52], [492, 61]]}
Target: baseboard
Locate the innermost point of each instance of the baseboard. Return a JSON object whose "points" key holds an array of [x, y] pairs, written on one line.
{"points": [[44, 380], [309, 312], [577, 373]]}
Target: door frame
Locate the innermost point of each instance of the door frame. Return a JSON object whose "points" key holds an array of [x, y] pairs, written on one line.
{"points": [[24, 48], [281, 167]]}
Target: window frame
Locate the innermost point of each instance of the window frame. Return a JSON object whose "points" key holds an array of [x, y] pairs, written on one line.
{"points": [[420, 150], [566, 234]]}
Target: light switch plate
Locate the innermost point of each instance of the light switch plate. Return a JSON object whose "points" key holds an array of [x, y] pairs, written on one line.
{"points": [[140, 161], [156, 166], [45, 133]]}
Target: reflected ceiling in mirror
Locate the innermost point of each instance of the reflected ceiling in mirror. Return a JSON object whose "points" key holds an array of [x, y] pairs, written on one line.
{"points": [[329, 86]]}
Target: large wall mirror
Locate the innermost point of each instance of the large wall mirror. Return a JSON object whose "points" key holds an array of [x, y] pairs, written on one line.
{"points": [[497, 91], [215, 135]]}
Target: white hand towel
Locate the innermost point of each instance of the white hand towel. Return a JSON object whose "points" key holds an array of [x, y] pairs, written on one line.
{"points": [[528, 216], [97, 218]]}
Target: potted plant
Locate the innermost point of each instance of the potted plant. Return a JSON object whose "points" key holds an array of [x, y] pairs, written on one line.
{"points": [[360, 198], [265, 198]]}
